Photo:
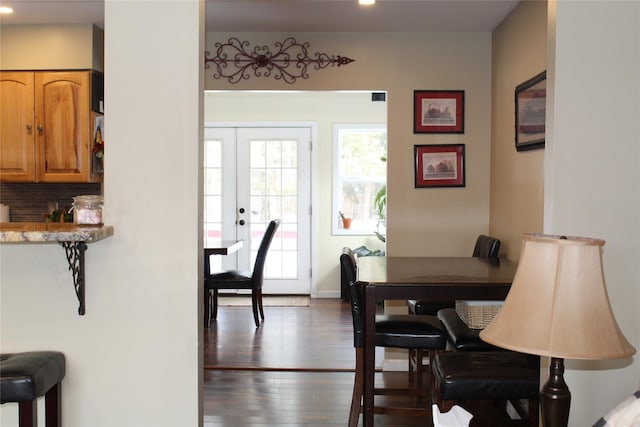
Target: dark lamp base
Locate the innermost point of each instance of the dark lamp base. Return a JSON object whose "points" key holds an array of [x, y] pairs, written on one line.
{"points": [[555, 398]]}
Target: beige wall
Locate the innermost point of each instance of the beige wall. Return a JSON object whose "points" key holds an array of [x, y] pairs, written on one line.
{"points": [[442, 221], [51, 47], [519, 48], [324, 109]]}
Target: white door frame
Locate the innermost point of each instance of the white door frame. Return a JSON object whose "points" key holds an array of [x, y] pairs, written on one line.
{"points": [[313, 176]]}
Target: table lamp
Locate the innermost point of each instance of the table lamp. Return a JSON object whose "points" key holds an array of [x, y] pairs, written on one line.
{"points": [[558, 307]]}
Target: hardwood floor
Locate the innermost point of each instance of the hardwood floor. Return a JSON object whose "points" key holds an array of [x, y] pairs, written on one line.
{"points": [[297, 370]]}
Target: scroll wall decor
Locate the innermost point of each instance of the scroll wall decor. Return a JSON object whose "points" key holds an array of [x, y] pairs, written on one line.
{"points": [[288, 61]]}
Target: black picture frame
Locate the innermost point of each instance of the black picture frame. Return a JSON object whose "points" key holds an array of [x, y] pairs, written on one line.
{"points": [[439, 165], [438, 111], [530, 111]]}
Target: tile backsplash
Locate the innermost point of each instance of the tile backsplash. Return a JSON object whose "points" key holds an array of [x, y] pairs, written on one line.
{"points": [[29, 202]]}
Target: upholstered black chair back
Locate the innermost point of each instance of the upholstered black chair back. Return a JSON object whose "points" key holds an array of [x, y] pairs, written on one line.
{"points": [[348, 267], [344, 282], [486, 247], [258, 268]]}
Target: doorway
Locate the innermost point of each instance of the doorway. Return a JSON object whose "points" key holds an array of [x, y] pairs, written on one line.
{"points": [[253, 175], [319, 110]]}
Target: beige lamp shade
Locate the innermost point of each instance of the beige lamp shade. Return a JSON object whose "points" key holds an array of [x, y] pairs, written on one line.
{"points": [[558, 304]]}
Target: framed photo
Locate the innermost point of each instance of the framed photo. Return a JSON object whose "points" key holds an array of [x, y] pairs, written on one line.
{"points": [[440, 165], [531, 99], [438, 111]]}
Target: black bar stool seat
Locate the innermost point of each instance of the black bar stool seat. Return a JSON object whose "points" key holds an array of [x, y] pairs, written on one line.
{"points": [[460, 336], [24, 377], [488, 375]]}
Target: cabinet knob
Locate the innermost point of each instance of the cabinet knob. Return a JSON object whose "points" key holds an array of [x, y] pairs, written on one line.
{"points": [[29, 128], [40, 129]]}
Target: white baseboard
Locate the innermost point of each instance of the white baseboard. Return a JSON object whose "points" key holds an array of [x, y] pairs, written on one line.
{"points": [[395, 365], [326, 294]]}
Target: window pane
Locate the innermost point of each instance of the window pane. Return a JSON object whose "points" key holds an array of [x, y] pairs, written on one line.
{"points": [[274, 154], [361, 175], [289, 154], [213, 189], [289, 181], [212, 154], [289, 209], [213, 210], [213, 181]]}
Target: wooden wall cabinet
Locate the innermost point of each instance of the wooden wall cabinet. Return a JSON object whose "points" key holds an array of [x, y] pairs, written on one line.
{"points": [[46, 126]]}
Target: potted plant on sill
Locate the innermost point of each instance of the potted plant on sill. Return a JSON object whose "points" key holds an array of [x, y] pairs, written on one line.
{"points": [[346, 222], [380, 203]]}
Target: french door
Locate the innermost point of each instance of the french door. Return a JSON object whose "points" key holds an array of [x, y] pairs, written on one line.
{"points": [[254, 175]]}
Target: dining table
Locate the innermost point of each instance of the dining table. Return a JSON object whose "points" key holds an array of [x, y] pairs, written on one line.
{"points": [[219, 247], [428, 279]]}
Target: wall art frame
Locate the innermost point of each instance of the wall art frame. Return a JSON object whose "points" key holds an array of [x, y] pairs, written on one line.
{"points": [[438, 111], [530, 111], [439, 165]]}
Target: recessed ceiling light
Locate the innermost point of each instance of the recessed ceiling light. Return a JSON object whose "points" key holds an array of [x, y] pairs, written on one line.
{"points": [[366, 2], [5, 10]]}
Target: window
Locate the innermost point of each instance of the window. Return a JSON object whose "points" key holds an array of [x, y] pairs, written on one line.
{"points": [[360, 176]]}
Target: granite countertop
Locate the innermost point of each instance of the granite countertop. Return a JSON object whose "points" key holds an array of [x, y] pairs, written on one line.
{"points": [[42, 232]]}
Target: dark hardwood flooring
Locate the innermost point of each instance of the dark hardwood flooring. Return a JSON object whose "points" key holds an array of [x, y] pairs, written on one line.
{"points": [[297, 370]]}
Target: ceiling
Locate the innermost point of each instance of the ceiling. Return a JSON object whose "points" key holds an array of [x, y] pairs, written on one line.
{"points": [[295, 15]]}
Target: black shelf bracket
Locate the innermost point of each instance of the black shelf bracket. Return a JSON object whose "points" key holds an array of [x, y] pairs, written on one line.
{"points": [[75, 257]]}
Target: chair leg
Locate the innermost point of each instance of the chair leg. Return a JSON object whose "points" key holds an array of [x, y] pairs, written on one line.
{"points": [[432, 377], [260, 309], [436, 395], [254, 305], [28, 413], [207, 308], [534, 412], [52, 406], [356, 398], [214, 310], [419, 370]]}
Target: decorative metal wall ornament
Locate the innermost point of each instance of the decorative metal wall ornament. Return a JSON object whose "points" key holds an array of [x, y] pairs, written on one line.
{"points": [[235, 62]]}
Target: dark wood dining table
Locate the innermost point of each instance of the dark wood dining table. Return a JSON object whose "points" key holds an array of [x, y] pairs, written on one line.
{"points": [[219, 247], [424, 278]]}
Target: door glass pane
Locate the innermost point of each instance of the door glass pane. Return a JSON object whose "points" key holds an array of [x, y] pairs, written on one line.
{"points": [[213, 195], [274, 194]]}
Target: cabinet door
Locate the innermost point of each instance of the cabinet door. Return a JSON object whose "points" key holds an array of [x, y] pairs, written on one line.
{"points": [[62, 105], [17, 145]]}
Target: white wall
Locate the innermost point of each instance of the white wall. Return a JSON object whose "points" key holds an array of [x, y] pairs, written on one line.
{"points": [[134, 358], [592, 181]]}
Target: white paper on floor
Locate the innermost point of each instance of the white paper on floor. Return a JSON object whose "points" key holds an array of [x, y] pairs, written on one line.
{"points": [[456, 417]]}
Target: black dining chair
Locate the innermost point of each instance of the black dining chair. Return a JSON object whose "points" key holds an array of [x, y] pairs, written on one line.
{"points": [[420, 333], [234, 279], [485, 247], [501, 376]]}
